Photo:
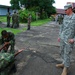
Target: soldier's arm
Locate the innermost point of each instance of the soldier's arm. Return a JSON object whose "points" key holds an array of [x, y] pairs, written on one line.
{"points": [[18, 52], [72, 32], [61, 29]]}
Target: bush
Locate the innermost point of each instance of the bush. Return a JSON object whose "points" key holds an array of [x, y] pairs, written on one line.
{"points": [[43, 15], [24, 15], [52, 18]]}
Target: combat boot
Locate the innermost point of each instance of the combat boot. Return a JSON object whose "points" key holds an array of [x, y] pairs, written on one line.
{"points": [[60, 65], [65, 71]]}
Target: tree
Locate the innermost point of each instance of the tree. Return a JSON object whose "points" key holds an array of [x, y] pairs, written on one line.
{"points": [[36, 5], [15, 4]]}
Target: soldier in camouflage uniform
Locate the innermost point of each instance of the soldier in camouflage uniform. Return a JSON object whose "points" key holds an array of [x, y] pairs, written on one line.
{"points": [[60, 19], [8, 19], [14, 20], [17, 19], [67, 38], [29, 22], [7, 38], [7, 61]]}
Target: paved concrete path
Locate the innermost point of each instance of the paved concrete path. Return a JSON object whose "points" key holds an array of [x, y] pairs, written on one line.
{"points": [[41, 52]]}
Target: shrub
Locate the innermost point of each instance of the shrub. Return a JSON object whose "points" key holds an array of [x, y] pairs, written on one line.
{"points": [[24, 15], [52, 18]]}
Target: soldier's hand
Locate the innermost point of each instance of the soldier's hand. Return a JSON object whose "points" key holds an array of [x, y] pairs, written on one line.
{"points": [[6, 43], [20, 50], [71, 41]]}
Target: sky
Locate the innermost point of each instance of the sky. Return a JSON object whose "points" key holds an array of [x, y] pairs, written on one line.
{"points": [[57, 4], [61, 3], [5, 2]]}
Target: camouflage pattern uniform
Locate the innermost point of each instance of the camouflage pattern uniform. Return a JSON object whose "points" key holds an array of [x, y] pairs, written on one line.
{"points": [[14, 20], [11, 39], [17, 20], [60, 19], [8, 19], [29, 22], [67, 31], [5, 60]]}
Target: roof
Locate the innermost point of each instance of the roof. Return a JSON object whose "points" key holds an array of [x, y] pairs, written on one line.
{"points": [[60, 11]]}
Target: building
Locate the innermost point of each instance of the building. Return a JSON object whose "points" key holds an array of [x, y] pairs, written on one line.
{"points": [[4, 9], [73, 4], [60, 11]]}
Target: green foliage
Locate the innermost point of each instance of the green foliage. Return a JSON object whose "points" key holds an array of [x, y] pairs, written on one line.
{"points": [[15, 4], [15, 31], [24, 15], [52, 18], [34, 8], [40, 22], [4, 19], [36, 5], [43, 15]]}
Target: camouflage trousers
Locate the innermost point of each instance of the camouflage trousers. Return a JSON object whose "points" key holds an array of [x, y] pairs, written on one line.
{"points": [[65, 52], [9, 70], [5, 72]]}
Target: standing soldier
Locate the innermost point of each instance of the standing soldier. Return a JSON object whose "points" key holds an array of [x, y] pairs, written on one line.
{"points": [[56, 18], [29, 22], [7, 38], [17, 19], [60, 19], [14, 20], [67, 38], [8, 19]]}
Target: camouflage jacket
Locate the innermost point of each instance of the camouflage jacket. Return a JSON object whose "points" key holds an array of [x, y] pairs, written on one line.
{"points": [[5, 59], [11, 39], [67, 29], [8, 16]]}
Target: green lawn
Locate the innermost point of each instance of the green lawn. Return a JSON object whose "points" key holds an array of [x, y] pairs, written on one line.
{"points": [[15, 31], [3, 18], [40, 22]]}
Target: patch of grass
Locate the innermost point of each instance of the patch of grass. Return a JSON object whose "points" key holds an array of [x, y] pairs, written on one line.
{"points": [[40, 22], [3, 18], [15, 31]]}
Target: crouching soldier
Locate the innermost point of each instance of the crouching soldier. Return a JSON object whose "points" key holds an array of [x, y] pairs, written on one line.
{"points": [[7, 62], [7, 38]]}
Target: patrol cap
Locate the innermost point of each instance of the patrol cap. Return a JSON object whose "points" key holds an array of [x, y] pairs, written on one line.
{"points": [[67, 6]]}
